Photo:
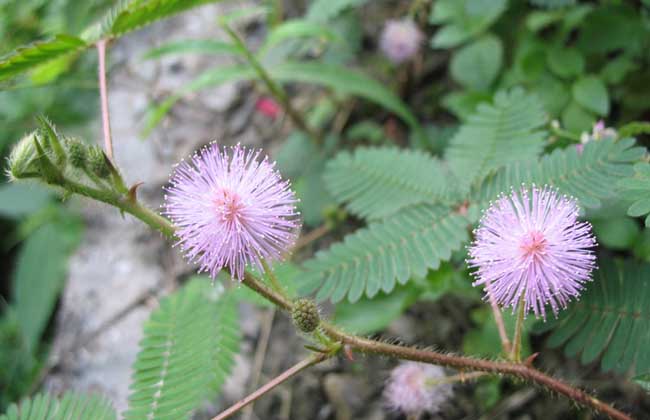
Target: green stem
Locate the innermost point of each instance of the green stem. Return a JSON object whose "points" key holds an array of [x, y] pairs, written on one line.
{"points": [[274, 88], [521, 315], [122, 202], [269, 272]]}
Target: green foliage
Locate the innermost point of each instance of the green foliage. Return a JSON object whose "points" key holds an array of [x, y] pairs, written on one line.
{"points": [[611, 320], [484, 338], [476, 65], [463, 19], [375, 258], [132, 15], [506, 131], [18, 200], [553, 4], [377, 182], [591, 93], [324, 10], [565, 62], [368, 316], [193, 46], [37, 53], [590, 176], [634, 129], [636, 188], [40, 274], [296, 28], [186, 354], [70, 406]]}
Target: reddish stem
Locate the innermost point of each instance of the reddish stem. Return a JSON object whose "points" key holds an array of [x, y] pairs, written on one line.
{"points": [[283, 377], [103, 93]]}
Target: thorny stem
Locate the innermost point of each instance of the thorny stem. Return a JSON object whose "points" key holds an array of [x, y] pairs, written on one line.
{"points": [[461, 377], [103, 93], [283, 377], [522, 371], [275, 89], [521, 314]]}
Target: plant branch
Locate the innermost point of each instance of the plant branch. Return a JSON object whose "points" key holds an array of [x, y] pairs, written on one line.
{"points": [[103, 93], [274, 88], [283, 377], [519, 370]]}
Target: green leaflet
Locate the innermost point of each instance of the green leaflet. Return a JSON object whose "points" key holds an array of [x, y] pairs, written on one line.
{"points": [[70, 406], [590, 176], [375, 258], [611, 320], [636, 188], [37, 53], [377, 182], [133, 15], [186, 354], [509, 130]]}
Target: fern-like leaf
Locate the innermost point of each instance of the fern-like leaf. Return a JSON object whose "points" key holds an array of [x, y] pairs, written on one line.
{"points": [[637, 189], [611, 320], [374, 258], [133, 15], [377, 182], [37, 53], [590, 176], [509, 130], [324, 10], [187, 352], [71, 406]]}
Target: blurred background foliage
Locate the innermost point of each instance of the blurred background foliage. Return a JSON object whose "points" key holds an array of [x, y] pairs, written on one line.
{"points": [[37, 231]]}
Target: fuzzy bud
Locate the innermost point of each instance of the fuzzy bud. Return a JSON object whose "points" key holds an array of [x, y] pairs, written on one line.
{"points": [[23, 160], [415, 388], [400, 40], [305, 315], [97, 162], [77, 152]]}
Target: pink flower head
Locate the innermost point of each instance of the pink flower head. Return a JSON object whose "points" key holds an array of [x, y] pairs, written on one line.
{"points": [[231, 210], [412, 388], [530, 245], [268, 107], [400, 40]]}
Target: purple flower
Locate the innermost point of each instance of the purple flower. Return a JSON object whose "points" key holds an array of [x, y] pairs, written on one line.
{"points": [[530, 245], [400, 40], [231, 210], [412, 388]]}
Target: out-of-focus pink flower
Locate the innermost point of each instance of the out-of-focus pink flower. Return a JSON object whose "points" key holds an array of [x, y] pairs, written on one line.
{"points": [[268, 107], [412, 388], [400, 40], [231, 209], [530, 245]]}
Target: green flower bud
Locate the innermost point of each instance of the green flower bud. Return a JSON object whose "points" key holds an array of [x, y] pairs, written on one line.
{"points": [[23, 160], [305, 315], [97, 162], [77, 152]]}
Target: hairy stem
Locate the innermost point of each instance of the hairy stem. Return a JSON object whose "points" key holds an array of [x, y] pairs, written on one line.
{"points": [[103, 93], [283, 377], [521, 314], [364, 345], [274, 88]]}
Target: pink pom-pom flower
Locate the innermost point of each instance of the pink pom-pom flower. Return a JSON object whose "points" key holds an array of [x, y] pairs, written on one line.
{"points": [[400, 40], [413, 388], [530, 247], [231, 210]]}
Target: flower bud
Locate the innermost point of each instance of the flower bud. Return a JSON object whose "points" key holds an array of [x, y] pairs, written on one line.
{"points": [[97, 162], [305, 315], [23, 160], [77, 152]]}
